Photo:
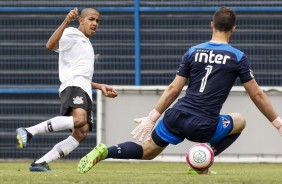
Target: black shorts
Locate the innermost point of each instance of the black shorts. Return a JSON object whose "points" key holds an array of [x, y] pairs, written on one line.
{"points": [[75, 97]]}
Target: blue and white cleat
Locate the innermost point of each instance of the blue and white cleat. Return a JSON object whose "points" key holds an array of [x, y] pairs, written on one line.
{"points": [[23, 136], [40, 167]]}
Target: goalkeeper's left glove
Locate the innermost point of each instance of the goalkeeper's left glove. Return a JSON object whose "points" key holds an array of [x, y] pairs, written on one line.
{"points": [[146, 125], [277, 123]]}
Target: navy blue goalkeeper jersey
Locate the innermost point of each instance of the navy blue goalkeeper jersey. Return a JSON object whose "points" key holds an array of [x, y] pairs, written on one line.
{"points": [[211, 69]]}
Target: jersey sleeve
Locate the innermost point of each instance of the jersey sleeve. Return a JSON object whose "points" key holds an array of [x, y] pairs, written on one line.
{"points": [[66, 40], [184, 67], [65, 43], [245, 72]]}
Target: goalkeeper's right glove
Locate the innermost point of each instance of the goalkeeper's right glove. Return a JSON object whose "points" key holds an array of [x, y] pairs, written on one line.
{"points": [[277, 123]]}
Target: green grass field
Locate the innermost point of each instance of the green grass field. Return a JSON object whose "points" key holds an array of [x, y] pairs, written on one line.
{"points": [[141, 172]]}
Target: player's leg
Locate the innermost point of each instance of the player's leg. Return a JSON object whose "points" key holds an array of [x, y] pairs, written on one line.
{"points": [[239, 123], [52, 125], [71, 98], [153, 146], [82, 118], [127, 150], [149, 149], [228, 130], [60, 150], [64, 147]]}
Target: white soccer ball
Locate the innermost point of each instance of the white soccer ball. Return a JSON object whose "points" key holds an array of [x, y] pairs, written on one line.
{"points": [[200, 156]]}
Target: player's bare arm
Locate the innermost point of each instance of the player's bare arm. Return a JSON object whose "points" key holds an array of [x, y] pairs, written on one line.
{"points": [[53, 42], [260, 99], [107, 90], [263, 104], [171, 93]]}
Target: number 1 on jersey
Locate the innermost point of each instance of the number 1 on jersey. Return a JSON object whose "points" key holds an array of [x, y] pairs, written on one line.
{"points": [[205, 78]]}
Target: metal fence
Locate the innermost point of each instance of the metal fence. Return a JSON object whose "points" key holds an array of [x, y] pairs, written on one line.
{"points": [[138, 43]]}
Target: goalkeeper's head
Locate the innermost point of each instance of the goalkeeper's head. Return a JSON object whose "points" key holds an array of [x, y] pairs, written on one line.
{"points": [[224, 20]]}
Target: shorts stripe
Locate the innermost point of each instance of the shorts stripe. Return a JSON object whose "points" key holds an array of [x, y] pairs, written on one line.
{"points": [[163, 133], [224, 127]]}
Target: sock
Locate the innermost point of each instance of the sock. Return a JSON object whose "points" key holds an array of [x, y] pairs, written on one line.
{"points": [[224, 143], [126, 150], [61, 149], [52, 125]]}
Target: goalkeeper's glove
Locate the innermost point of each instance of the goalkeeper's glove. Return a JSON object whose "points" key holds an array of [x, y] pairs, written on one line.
{"points": [[146, 125], [277, 123]]}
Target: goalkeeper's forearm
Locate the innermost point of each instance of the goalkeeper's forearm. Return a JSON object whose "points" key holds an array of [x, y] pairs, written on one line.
{"points": [[167, 98]]}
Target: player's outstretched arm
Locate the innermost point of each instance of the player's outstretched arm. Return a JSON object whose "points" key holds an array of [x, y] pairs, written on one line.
{"points": [[263, 103], [107, 90], [53, 42], [146, 124]]}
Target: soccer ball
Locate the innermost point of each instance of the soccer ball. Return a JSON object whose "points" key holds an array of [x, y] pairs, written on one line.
{"points": [[200, 156]]}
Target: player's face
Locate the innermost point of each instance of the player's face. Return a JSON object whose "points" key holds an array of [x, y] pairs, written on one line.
{"points": [[90, 23]]}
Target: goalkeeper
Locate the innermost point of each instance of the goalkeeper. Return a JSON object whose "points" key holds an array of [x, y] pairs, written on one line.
{"points": [[212, 68]]}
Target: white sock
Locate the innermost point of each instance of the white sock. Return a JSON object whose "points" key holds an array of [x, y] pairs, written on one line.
{"points": [[61, 149], [52, 125]]}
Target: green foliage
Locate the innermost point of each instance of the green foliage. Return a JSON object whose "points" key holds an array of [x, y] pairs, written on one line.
{"points": [[141, 172]]}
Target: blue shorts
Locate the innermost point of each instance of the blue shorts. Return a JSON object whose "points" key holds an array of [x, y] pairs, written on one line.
{"points": [[177, 126]]}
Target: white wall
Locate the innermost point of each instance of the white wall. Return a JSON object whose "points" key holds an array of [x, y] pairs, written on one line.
{"points": [[259, 142]]}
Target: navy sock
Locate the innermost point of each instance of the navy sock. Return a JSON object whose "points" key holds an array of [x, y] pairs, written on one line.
{"points": [[126, 150], [224, 143]]}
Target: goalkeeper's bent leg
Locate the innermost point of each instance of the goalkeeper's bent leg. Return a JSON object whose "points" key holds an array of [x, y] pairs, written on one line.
{"points": [[126, 150], [224, 143]]}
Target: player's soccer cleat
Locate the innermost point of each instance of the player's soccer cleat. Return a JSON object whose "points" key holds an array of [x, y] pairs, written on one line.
{"points": [[99, 153], [40, 167], [23, 136], [194, 172]]}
